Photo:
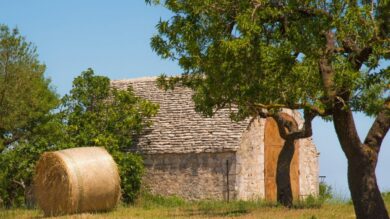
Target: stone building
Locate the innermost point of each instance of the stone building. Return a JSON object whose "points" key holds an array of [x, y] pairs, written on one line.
{"points": [[194, 157]]}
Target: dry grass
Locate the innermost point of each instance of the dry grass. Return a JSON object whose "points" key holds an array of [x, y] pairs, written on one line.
{"points": [[327, 211], [176, 208]]}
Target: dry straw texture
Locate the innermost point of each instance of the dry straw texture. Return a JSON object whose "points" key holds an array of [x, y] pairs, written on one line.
{"points": [[77, 180]]}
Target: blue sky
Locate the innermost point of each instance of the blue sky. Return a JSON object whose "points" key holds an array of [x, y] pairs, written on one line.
{"points": [[112, 37]]}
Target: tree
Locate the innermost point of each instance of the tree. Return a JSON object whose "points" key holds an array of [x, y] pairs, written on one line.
{"points": [[26, 100], [321, 57], [92, 114], [25, 95], [17, 164], [96, 114]]}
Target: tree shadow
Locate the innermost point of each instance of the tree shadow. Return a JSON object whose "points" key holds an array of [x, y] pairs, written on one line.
{"points": [[283, 178]]}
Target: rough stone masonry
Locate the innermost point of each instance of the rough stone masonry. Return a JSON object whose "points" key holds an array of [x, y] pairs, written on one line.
{"points": [[194, 157]]}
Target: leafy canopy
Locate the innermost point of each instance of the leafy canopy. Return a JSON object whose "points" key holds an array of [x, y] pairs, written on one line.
{"points": [[92, 114], [27, 126], [96, 114], [25, 95], [268, 54]]}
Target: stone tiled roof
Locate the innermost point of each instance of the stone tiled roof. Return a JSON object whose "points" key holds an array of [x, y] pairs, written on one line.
{"points": [[177, 128]]}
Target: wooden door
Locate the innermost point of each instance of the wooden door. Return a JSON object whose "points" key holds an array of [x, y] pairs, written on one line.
{"points": [[273, 144]]}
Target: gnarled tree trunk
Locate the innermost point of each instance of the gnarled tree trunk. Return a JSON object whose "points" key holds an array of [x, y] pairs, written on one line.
{"points": [[365, 193], [362, 161]]}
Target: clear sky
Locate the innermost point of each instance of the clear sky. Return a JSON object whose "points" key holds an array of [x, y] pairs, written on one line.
{"points": [[112, 37]]}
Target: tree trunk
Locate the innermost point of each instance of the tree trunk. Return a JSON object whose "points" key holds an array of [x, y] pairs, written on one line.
{"points": [[366, 197], [362, 160]]}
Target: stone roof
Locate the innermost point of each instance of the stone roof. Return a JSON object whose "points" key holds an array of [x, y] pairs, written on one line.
{"points": [[177, 128]]}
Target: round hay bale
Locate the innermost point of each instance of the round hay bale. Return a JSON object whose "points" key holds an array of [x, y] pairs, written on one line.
{"points": [[76, 180]]}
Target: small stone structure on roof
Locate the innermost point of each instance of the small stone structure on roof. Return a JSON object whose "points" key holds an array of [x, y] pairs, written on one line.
{"points": [[194, 157]]}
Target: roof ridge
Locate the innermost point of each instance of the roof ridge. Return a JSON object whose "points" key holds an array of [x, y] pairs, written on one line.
{"points": [[149, 78]]}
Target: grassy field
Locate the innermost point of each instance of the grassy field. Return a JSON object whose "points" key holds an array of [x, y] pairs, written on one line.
{"points": [[158, 207]]}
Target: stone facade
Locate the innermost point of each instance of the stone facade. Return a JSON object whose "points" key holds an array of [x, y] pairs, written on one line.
{"points": [[191, 175], [190, 156], [308, 168], [250, 162]]}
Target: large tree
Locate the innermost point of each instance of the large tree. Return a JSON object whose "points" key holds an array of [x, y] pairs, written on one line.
{"points": [[321, 57], [96, 114], [25, 94], [26, 100]]}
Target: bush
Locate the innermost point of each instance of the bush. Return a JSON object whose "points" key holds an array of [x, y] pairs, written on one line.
{"points": [[325, 191], [96, 114], [309, 202], [17, 165], [131, 168]]}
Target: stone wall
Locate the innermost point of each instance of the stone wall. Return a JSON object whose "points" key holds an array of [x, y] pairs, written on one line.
{"points": [[191, 176], [195, 176], [250, 162], [308, 168]]}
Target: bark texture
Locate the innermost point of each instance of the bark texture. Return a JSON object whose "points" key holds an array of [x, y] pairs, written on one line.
{"points": [[366, 197], [362, 161]]}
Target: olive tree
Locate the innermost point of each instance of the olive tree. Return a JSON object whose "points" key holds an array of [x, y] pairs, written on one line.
{"points": [[320, 57]]}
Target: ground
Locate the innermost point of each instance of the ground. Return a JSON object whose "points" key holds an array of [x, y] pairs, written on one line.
{"points": [[158, 207], [328, 211]]}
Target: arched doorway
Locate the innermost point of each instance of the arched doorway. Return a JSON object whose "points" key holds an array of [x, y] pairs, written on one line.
{"points": [[273, 145]]}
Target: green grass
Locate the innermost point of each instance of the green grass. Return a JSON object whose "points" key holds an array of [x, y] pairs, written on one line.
{"points": [[149, 206]]}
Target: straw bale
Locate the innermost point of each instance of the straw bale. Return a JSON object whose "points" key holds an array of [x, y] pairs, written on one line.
{"points": [[76, 180]]}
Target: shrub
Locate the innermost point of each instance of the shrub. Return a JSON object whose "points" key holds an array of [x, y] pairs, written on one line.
{"points": [[96, 114], [325, 191], [131, 169], [309, 202]]}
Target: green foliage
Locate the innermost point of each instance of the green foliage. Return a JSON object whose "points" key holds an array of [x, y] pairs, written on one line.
{"points": [[25, 95], [234, 208], [325, 194], [212, 208], [325, 191], [243, 53], [258, 57], [95, 114], [149, 201], [309, 202], [26, 126], [205, 207], [131, 168]]}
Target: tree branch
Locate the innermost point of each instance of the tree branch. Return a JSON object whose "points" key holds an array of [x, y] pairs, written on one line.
{"points": [[325, 67], [15, 137], [306, 130], [346, 129], [288, 127], [379, 128], [314, 109], [20, 183], [357, 56]]}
